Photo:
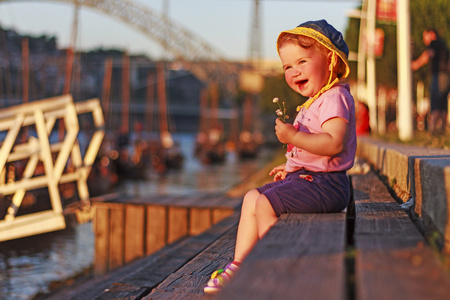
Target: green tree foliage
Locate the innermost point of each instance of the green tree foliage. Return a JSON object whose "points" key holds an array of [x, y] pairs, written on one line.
{"points": [[386, 64], [424, 14]]}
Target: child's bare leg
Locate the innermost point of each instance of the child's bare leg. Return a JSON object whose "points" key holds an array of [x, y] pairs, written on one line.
{"points": [[257, 216], [265, 215], [247, 234]]}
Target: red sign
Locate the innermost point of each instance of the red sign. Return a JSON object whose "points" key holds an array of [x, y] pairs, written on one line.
{"points": [[379, 42], [387, 10]]}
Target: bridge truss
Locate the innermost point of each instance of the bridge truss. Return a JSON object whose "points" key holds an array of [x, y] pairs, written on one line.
{"points": [[183, 44]]}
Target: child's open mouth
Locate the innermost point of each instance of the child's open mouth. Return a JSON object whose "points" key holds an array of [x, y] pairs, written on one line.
{"points": [[301, 83]]}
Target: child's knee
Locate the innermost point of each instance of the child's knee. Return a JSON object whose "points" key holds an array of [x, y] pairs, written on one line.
{"points": [[249, 201], [263, 206]]}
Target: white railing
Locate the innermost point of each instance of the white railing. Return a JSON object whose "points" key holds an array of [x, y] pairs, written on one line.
{"points": [[46, 162]]}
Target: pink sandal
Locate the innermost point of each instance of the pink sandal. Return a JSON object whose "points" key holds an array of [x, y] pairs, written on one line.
{"points": [[219, 278]]}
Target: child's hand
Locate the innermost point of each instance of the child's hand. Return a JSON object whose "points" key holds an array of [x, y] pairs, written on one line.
{"points": [[285, 132], [281, 175], [278, 172]]}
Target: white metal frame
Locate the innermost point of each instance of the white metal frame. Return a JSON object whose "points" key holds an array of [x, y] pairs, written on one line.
{"points": [[42, 116]]}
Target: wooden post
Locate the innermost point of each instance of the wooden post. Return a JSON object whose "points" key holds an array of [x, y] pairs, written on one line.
{"points": [[116, 236], [125, 93], [165, 136], [204, 116], [162, 100], [134, 232], [71, 49], [25, 69], [156, 228], [150, 96], [101, 229], [200, 220], [107, 87], [178, 223], [247, 122], [214, 105], [382, 100]]}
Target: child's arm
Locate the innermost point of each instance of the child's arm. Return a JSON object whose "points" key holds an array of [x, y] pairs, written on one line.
{"points": [[330, 142]]}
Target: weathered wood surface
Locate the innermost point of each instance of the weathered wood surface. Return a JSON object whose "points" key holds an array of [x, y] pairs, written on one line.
{"points": [[189, 281], [301, 257], [212, 200], [392, 259], [138, 278], [156, 223], [126, 229]]}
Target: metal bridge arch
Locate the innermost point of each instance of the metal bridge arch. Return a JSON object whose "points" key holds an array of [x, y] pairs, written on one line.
{"points": [[181, 43]]}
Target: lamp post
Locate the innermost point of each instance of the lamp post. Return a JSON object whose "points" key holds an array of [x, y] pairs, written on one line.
{"points": [[404, 106]]}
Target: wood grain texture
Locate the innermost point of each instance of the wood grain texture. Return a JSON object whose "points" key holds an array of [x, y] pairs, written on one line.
{"points": [[156, 236], [141, 226], [134, 232], [123, 291], [301, 257], [392, 258], [101, 242], [148, 272], [219, 214], [190, 279], [200, 219], [178, 223], [116, 237]]}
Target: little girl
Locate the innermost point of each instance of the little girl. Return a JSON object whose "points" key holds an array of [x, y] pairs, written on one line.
{"points": [[321, 141]]}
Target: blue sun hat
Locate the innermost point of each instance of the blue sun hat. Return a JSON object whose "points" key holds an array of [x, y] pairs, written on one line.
{"points": [[327, 36]]}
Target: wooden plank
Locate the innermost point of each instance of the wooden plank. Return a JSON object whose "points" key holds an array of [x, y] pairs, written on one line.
{"points": [[123, 291], [134, 232], [178, 223], [154, 199], [189, 200], [116, 237], [219, 214], [200, 220], [156, 236], [164, 220], [295, 259], [150, 271], [189, 280], [163, 295], [392, 259], [101, 231]]}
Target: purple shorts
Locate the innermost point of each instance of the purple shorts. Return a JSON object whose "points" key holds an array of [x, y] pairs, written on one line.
{"points": [[305, 191]]}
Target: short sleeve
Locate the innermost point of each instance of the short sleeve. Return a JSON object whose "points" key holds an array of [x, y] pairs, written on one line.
{"points": [[335, 105]]}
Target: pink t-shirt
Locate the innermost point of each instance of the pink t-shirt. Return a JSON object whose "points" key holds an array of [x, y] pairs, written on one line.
{"points": [[336, 102]]}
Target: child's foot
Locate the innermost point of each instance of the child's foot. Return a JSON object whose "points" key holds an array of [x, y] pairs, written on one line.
{"points": [[220, 277]]}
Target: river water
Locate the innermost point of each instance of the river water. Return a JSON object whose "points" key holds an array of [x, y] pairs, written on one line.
{"points": [[29, 265]]}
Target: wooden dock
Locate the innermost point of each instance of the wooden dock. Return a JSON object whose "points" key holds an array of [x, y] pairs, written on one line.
{"points": [[371, 251], [126, 229]]}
